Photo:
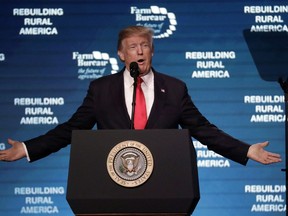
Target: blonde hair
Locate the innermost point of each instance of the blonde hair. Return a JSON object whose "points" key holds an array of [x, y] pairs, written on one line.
{"points": [[134, 30]]}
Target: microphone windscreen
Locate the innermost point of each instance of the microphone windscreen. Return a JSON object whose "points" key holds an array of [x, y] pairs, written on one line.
{"points": [[134, 70]]}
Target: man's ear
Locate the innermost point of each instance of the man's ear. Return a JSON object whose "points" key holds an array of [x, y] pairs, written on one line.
{"points": [[121, 56]]}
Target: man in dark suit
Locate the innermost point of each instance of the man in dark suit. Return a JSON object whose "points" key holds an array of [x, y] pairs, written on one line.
{"points": [[168, 105]]}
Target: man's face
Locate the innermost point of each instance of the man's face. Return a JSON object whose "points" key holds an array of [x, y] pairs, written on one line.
{"points": [[137, 49]]}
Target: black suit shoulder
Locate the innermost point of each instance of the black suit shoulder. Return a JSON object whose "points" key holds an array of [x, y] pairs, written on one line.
{"points": [[107, 79], [168, 78], [170, 83]]}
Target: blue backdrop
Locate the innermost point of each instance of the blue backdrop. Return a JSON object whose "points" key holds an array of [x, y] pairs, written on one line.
{"points": [[50, 50]]}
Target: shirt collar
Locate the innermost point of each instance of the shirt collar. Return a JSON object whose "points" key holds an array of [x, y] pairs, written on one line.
{"points": [[147, 79]]}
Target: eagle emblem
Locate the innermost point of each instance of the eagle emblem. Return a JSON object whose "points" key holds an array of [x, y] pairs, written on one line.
{"points": [[130, 163]]}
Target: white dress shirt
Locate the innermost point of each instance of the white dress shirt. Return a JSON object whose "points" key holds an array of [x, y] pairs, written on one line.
{"points": [[147, 87]]}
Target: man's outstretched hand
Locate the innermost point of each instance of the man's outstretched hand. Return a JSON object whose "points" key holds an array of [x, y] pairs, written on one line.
{"points": [[257, 153], [14, 153]]}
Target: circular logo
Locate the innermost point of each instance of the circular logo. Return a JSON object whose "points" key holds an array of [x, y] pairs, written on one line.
{"points": [[130, 163]]}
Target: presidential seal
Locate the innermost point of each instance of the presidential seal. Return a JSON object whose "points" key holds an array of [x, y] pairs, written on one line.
{"points": [[130, 163]]}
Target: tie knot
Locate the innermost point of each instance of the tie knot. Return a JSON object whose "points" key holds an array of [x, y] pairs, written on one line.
{"points": [[139, 80]]}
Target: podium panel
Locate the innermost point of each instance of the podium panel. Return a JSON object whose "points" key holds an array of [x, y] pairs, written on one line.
{"points": [[171, 189]]}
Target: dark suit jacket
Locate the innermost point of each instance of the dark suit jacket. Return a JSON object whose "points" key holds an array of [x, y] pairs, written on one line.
{"points": [[104, 105]]}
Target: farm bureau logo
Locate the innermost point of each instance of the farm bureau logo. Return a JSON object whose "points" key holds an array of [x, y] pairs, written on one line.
{"points": [[157, 18], [94, 65]]}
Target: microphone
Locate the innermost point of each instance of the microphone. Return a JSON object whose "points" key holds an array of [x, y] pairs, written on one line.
{"points": [[134, 70]]}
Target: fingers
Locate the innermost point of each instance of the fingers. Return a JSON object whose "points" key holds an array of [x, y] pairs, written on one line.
{"points": [[272, 158], [14, 153], [3, 158], [262, 144], [12, 142], [3, 155], [274, 155]]}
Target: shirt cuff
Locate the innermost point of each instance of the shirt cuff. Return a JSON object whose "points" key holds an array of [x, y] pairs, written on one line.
{"points": [[27, 155]]}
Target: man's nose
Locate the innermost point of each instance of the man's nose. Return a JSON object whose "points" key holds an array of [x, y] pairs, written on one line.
{"points": [[140, 50]]}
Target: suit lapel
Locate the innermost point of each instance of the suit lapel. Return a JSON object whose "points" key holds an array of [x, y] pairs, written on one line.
{"points": [[159, 100], [118, 95]]}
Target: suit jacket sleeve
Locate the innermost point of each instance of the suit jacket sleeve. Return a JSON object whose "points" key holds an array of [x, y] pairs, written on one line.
{"points": [[208, 134], [104, 106], [60, 136], [174, 107]]}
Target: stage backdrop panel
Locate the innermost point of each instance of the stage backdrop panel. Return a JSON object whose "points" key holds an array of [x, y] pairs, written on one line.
{"points": [[50, 50]]}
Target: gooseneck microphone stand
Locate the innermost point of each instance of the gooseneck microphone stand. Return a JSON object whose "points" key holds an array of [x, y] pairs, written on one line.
{"points": [[134, 72]]}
